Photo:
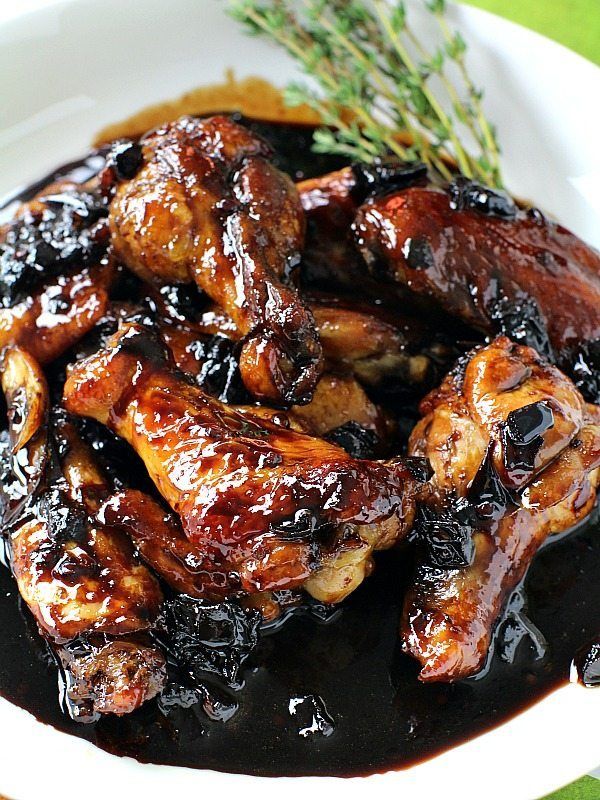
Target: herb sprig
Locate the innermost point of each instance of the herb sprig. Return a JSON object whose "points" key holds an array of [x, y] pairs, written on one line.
{"points": [[375, 80]]}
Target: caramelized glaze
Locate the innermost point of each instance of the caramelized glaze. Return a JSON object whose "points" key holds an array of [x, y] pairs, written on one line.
{"points": [[333, 695], [475, 263]]}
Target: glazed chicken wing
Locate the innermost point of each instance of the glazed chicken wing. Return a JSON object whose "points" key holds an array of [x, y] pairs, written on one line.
{"points": [[55, 271], [53, 319], [379, 349], [268, 507], [212, 360], [516, 455], [331, 260], [159, 538], [339, 400], [499, 268], [79, 578], [207, 205]]}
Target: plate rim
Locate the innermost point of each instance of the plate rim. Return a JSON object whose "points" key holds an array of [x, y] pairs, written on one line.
{"points": [[56, 6]]}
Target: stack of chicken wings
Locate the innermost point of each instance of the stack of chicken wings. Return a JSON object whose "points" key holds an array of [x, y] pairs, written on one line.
{"points": [[269, 357]]}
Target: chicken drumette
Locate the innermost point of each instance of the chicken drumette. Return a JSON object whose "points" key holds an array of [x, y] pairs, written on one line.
{"points": [[207, 205], [515, 452], [267, 507]]}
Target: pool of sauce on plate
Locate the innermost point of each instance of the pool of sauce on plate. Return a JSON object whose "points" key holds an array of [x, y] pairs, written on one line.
{"points": [[336, 697], [359, 707]]}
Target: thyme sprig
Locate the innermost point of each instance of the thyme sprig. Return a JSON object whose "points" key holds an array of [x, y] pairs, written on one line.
{"points": [[374, 80]]}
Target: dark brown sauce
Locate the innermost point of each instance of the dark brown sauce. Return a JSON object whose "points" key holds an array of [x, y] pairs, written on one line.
{"points": [[338, 698]]}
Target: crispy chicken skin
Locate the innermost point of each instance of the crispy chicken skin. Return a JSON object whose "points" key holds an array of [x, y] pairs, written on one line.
{"points": [[515, 453], [79, 578], [474, 264], [266, 506], [208, 205]]}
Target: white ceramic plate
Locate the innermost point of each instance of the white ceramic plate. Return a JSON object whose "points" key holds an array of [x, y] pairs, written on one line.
{"points": [[74, 67]]}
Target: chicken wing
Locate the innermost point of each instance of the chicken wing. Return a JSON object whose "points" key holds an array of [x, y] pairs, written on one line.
{"points": [[80, 579], [207, 205], [212, 360], [267, 506], [381, 349], [515, 453], [51, 321], [339, 400], [331, 260], [54, 270], [158, 537], [497, 267]]}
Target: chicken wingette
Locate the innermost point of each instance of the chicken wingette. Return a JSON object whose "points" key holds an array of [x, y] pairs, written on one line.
{"points": [[268, 507]]}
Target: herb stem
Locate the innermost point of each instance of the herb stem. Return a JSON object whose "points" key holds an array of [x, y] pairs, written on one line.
{"points": [[370, 87], [461, 157], [488, 139]]}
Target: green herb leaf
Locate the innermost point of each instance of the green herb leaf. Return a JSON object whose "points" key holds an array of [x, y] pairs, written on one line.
{"points": [[368, 65]]}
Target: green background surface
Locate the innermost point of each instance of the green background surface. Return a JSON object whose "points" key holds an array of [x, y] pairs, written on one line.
{"points": [[585, 789], [576, 24]]}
